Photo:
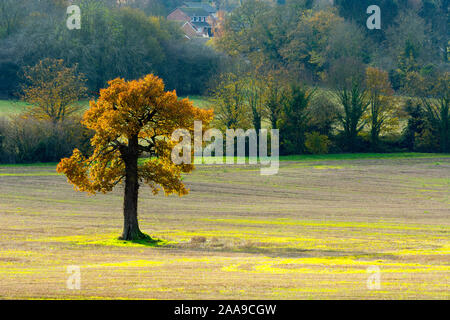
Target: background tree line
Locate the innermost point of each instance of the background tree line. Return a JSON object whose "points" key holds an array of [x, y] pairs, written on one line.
{"points": [[114, 40], [357, 112], [338, 84]]}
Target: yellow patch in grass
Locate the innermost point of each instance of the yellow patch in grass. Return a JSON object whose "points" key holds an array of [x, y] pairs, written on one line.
{"points": [[132, 263]]}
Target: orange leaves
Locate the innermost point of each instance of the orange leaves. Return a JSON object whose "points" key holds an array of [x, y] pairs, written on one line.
{"points": [[99, 173], [127, 108], [75, 170], [164, 174], [141, 110]]}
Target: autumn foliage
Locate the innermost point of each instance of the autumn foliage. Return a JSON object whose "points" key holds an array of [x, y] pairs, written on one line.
{"points": [[132, 119], [53, 90], [381, 115]]}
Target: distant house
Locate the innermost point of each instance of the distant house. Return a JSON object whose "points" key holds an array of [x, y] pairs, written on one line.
{"points": [[196, 19], [201, 5]]}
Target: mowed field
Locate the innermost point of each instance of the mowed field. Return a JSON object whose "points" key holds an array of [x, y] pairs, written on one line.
{"points": [[310, 232]]}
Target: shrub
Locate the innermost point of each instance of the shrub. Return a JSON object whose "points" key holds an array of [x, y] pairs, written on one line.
{"points": [[27, 140], [317, 143], [419, 135], [323, 113], [3, 130], [294, 120]]}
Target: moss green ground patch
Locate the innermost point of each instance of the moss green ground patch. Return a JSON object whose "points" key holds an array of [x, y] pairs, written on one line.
{"points": [[134, 243], [334, 224], [313, 242], [110, 239], [324, 167], [132, 263], [330, 266], [34, 174]]}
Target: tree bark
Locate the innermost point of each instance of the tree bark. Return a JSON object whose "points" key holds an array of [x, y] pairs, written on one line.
{"points": [[131, 229]]}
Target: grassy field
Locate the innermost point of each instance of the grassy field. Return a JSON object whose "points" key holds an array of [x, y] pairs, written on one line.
{"points": [[14, 107], [309, 232], [10, 107], [200, 101]]}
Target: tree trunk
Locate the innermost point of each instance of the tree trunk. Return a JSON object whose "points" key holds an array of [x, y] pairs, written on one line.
{"points": [[130, 205], [444, 128], [374, 137]]}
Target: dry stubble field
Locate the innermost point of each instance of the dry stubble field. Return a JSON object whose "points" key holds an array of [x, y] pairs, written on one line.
{"points": [[309, 232]]}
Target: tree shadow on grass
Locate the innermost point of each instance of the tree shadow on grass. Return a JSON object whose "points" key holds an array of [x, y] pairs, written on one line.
{"points": [[146, 241], [151, 242]]}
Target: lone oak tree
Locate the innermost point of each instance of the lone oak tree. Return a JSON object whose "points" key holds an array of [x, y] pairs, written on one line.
{"points": [[131, 119]]}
